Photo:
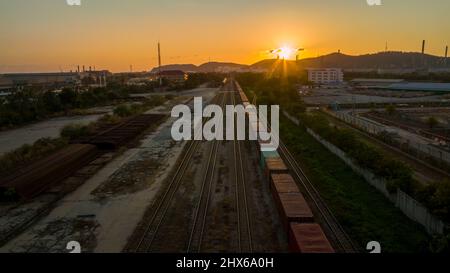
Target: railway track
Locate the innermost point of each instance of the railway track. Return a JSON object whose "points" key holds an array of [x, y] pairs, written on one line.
{"points": [[201, 212], [389, 147], [245, 244], [339, 236], [143, 238]]}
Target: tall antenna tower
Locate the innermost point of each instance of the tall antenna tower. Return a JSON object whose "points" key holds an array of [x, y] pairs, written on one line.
{"points": [[159, 64]]}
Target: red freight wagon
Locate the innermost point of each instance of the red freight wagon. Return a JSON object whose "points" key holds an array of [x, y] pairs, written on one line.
{"points": [[283, 183], [293, 207], [275, 166], [308, 238]]}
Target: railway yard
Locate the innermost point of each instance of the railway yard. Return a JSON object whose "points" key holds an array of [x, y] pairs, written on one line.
{"points": [[131, 188]]}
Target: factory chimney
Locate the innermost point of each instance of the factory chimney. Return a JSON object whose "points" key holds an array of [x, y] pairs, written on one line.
{"points": [[84, 68], [159, 64], [423, 47], [446, 55]]}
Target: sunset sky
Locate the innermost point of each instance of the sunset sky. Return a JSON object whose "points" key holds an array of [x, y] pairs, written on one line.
{"points": [[46, 35]]}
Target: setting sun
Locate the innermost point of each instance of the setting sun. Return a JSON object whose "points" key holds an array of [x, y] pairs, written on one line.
{"points": [[287, 52]]}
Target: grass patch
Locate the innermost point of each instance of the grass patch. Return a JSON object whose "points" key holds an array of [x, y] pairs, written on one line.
{"points": [[364, 212]]}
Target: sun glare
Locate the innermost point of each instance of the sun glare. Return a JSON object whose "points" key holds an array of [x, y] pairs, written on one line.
{"points": [[286, 52]]}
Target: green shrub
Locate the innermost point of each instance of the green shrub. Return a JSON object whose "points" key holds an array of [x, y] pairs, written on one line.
{"points": [[126, 110], [27, 153], [73, 131]]}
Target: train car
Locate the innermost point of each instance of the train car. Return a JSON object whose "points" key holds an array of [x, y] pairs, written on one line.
{"points": [[39, 176], [283, 183], [267, 155], [274, 166], [308, 239], [293, 208]]}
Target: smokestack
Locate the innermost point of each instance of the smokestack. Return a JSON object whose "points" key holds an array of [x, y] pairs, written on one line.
{"points": [[423, 47], [446, 55], [90, 68], [159, 63], [84, 68], [78, 68]]}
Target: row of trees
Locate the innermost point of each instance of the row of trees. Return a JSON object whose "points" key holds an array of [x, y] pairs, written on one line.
{"points": [[397, 174], [28, 105], [435, 196]]}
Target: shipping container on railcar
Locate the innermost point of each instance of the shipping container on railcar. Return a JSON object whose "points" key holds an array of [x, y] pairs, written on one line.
{"points": [[308, 238], [293, 207], [263, 156], [283, 183], [274, 165]]}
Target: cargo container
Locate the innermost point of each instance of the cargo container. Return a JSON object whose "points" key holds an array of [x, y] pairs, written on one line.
{"points": [[283, 183], [308, 238], [274, 165], [292, 207], [267, 155]]}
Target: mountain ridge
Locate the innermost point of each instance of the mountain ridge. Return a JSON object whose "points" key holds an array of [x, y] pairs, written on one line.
{"points": [[380, 60]]}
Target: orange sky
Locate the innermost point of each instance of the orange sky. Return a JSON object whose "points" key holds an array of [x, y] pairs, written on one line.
{"points": [[48, 35]]}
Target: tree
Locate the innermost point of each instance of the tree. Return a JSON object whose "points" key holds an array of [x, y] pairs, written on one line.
{"points": [[52, 102], [68, 97]]}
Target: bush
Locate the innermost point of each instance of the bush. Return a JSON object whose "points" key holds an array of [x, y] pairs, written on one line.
{"points": [[126, 110], [28, 153], [74, 131], [397, 174]]}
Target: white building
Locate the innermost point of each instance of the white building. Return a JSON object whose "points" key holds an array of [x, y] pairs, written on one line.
{"points": [[325, 75]]}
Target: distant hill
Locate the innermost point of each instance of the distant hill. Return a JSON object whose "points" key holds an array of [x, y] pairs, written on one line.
{"points": [[182, 67], [386, 60], [220, 67], [382, 60], [206, 67]]}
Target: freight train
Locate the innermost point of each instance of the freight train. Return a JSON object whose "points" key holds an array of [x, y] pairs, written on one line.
{"points": [[303, 233]]}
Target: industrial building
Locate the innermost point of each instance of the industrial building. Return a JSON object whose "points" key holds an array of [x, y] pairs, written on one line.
{"points": [[325, 75], [373, 83], [41, 79], [57, 79], [418, 86], [399, 85]]}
